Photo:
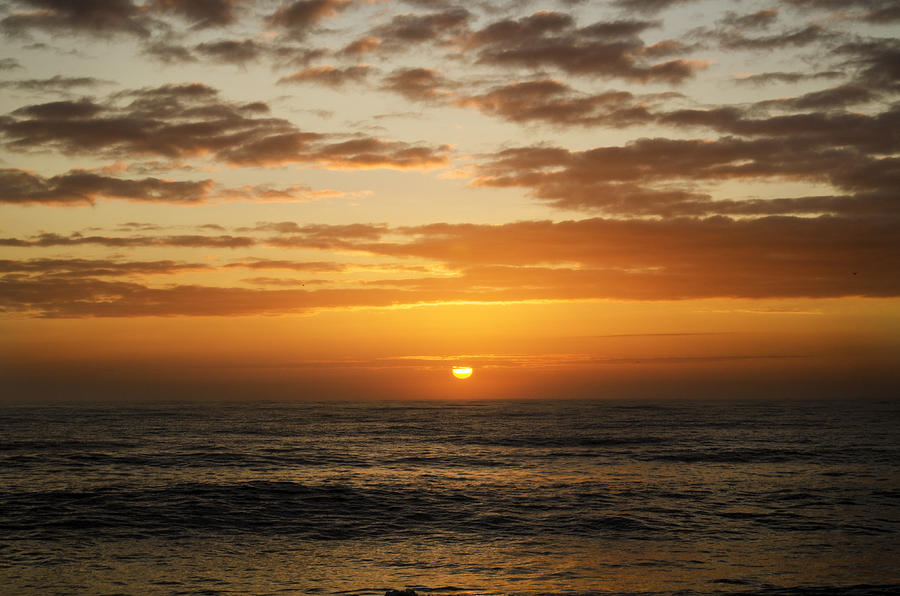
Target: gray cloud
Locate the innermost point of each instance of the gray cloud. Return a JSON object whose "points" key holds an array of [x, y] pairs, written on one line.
{"points": [[231, 51], [182, 121], [63, 17], [550, 39], [19, 187], [331, 76]]}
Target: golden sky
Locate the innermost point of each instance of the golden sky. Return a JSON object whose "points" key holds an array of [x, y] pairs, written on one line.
{"points": [[344, 198]]}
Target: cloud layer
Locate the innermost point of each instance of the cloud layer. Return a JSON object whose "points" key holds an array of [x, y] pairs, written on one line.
{"points": [[751, 152]]}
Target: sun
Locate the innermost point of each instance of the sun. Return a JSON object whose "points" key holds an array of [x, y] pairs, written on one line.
{"points": [[462, 372]]}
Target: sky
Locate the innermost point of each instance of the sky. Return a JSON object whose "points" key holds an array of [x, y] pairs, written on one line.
{"points": [[320, 199]]}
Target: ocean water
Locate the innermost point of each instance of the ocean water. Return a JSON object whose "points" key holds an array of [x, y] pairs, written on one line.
{"points": [[507, 497]]}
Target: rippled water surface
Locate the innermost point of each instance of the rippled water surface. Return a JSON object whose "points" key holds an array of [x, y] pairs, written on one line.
{"points": [[505, 497]]}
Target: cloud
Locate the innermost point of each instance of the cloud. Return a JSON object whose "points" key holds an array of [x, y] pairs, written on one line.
{"points": [[551, 101], [418, 84], [231, 51], [203, 13], [369, 152], [878, 11], [293, 56], [817, 134], [83, 187], [321, 236], [760, 19], [61, 110], [827, 99], [54, 84], [764, 257], [189, 120], [62, 17], [9, 64], [770, 257], [888, 13], [331, 76], [608, 49], [19, 187], [877, 61], [409, 29], [298, 17], [90, 297], [735, 39], [361, 46], [295, 193], [649, 6], [169, 53], [318, 266], [77, 268], [656, 176], [180, 241], [786, 77]]}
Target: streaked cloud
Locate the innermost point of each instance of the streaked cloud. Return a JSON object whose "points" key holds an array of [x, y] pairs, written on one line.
{"points": [[190, 121]]}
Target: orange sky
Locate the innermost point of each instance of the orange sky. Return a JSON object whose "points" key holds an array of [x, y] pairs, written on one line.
{"points": [[342, 199]]}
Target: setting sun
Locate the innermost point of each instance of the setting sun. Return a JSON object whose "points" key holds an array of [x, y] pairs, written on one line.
{"points": [[462, 372]]}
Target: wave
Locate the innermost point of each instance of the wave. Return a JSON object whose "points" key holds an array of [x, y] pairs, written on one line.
{"points": [[318, 512]]}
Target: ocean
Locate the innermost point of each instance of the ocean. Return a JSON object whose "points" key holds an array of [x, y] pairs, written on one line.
{"points": [[452, 498]]}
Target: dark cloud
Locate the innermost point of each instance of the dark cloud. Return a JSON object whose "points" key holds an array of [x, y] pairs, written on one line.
{"points": [[766, 257], [231, 51], [63, 17], [887, 14], [637, 179], [550, 39], [54, 84], [331, 76], [293, 56], [19, 187], [553, 102], [877, 62], [9, 64], [180, 241], [181, 121], [527, 28], [203, 13], [770, 257], [298, 17], [131, 226], [814, 133], [418, 84], [878, 11], [760, 19], [169, 53], [787, 77], [96, 267], [649, 6], [408, 29], [734, 39], [618, 29], [826, 99], [96, 298], [61, 110]]}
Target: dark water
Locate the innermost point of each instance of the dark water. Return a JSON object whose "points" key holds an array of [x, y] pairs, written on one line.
{"points": [[505, 497]]}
